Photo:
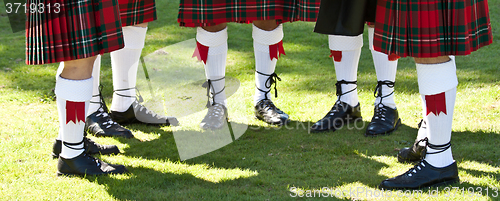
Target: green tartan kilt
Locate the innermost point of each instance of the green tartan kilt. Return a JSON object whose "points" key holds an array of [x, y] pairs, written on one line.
{"points": [[80, 29], [431, 28], [199, 13]]}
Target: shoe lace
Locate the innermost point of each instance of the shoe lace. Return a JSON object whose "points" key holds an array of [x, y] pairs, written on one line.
{"points": [[415, 168], [380, 112], [440, 148], [272, 79], [336, 107], [215, 111], [380, 109], [211, 90], [138, 106], [103, 110]]}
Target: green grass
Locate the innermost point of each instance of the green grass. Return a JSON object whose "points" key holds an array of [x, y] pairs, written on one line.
{"points": [[265, 162]]}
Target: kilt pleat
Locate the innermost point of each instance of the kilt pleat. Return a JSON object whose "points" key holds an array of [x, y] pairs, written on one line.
{"points": [[81, 29], [133, 12], [195, 13], [431, 28]]}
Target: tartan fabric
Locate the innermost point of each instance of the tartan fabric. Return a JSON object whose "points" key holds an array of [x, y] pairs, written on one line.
{"points": [[134, 12], [431, 28], [195, 13], [81, 29]]}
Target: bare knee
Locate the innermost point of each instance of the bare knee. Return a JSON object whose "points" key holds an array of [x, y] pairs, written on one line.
{"points": [[431, 60], [267, 25], [215, 28], [79, 69]]}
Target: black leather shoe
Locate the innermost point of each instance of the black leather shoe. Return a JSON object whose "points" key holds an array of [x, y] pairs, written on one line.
{"points": [[139, 114], [215, 118], [414, 153], [423, 175], [85, 164], [266, 111], [100, 123], [90, 147], [385, 120], [340, 114]]}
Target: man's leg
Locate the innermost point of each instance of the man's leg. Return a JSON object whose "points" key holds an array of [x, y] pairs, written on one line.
{"points": [[212, 50], [437, 82], [385, 116], [267, 36], [345, 51], [99, 122], [91, 147], [125, 108], [72, 105]]}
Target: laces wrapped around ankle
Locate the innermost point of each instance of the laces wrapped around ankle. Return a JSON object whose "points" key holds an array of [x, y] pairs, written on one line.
{"points": [[272, 79], [339, 94], [70, 145], [440, 148], [210, 87]]}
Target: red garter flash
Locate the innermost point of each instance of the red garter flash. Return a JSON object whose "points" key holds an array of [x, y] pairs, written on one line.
{"points": [[436, 104], [337, 55], [276, 50], [201, 52], [393, 57], [75, 111]]}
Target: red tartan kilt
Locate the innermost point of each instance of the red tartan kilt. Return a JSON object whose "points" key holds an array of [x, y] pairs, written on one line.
{"points": [[192, 13], [80, 30], [431, 28], [133, 12]]}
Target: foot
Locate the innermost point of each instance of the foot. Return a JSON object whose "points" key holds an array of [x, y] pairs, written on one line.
{"points": [[85, 164], [216, 117], [414, 153], [423, 175], [90, 147], [340, 114], [138, 113], [100, 123], [385, 120], [266, 111]]}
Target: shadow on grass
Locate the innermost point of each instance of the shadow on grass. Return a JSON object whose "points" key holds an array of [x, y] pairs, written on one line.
{"points": [[286, 157]]}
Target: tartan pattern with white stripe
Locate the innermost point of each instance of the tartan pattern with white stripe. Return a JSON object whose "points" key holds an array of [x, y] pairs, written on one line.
{"points": [[73, 33], [195, 13]]}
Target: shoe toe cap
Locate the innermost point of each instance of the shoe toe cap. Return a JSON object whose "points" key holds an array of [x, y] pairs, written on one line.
{"points": [[172, 121]]}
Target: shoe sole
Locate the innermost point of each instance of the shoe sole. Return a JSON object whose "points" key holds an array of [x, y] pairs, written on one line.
{"points": [[386, 133], [273, 123], [443, 183], [333, 129]]}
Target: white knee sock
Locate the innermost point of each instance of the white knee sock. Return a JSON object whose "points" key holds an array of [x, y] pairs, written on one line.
{"points": [[437, 83], [95, 101], [72, 102], [215, 67], [263, 63], [386, 71], [124, 63], [346, 51]]}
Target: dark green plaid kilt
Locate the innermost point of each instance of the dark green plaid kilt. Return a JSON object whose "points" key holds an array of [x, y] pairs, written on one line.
{"points": [[195, 13], [80, 29], [431, 28], [134, 12]]}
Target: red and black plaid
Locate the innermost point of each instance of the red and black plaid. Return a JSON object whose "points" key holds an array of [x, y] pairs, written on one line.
{"points": [[431, 28], [195, 13], [134, 12], [81, 29]]}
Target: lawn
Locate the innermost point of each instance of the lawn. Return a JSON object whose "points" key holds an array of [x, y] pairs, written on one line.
{"points": [[265, 162]]}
